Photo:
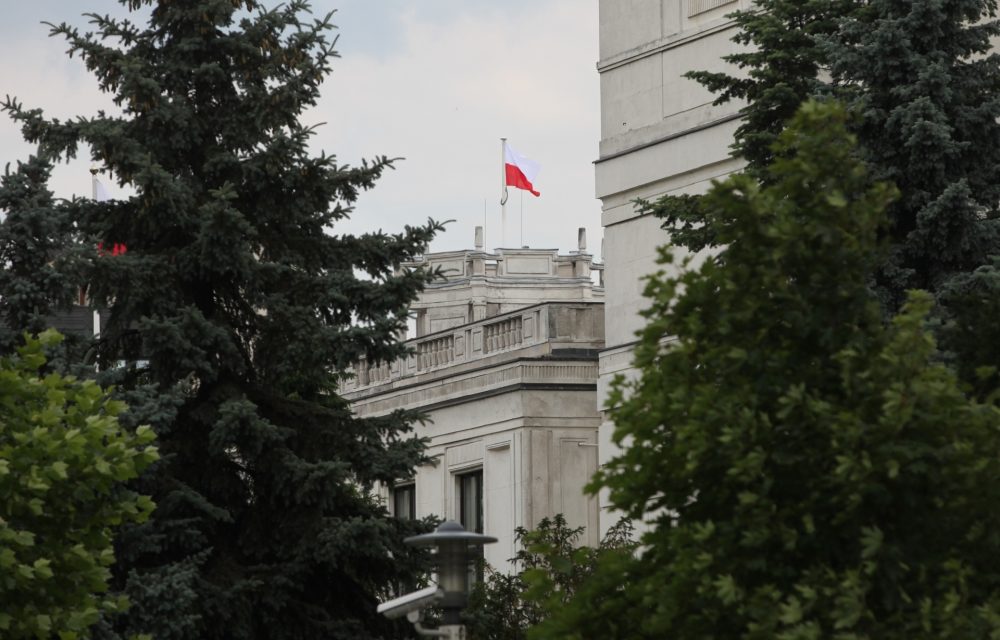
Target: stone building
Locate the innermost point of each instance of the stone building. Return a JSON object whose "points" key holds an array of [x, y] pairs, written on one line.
{"points": [[504, 365], [660, 134]]}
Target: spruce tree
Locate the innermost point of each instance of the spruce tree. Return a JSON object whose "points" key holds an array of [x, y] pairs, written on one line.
{"points": [[924, 86], [808, 471], [923, 80], [781, 58], [41, 266], [233, 316]]}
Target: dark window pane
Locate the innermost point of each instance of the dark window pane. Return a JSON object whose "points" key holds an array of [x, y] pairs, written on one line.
{"points": [[404, 502], [471, 501], [470, 515]]}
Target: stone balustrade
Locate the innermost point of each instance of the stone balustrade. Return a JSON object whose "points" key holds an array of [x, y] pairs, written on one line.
{"points": [[504, 334], [575, 323], [435, 352]]}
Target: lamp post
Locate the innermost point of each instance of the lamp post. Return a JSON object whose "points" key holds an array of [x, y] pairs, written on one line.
{"points": [[455, 548]]}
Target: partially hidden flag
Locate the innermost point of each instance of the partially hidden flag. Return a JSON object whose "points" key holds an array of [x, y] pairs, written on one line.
{"points": [[100, 191], [520, 171], [118, 248]]}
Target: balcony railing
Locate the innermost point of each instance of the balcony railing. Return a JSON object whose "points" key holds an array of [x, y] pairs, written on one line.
{"points": [[571, 322], [436, 352], [504, 334]]}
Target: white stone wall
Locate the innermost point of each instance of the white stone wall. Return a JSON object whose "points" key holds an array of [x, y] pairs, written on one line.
{"points": [[532, 467], [518, 404], [660, 134], [478, 284]]}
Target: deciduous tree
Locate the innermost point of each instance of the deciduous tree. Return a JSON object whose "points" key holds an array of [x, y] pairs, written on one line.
{"points": [[550, 567], [808, 471], [64, 462]]}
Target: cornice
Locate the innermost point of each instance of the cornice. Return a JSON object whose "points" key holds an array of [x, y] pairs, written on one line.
{"points": [[661, 45], [550, 374]]}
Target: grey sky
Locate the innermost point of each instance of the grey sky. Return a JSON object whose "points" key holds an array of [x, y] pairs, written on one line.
{"points": [[435, 81]]}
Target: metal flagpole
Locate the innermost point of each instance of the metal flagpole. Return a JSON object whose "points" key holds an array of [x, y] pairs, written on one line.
{"points": [[93, 193], [503, 196], [522, 218]]}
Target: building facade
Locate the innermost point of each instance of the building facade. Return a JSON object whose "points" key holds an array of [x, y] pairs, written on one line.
{"points": [[660, 134], [504, 366]]}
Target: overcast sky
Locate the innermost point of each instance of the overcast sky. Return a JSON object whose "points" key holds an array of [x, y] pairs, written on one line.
{"points": [[437, 82]]}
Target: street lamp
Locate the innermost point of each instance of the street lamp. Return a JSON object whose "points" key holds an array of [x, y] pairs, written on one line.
{"points": [[456, 549]]}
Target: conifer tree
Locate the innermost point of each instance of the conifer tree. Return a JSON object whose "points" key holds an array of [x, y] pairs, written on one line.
{"points": [[924, 86], [234, 314], [40, 261], [781, 60], [808, 471]]}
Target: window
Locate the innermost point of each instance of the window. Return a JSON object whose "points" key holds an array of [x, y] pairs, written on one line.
{"points": [[470, 501], [470, 515], [404, 501]]}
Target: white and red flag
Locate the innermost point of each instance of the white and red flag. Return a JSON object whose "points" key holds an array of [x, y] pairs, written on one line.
{"points": [[101, 194], [520, 172], [100, 191]]}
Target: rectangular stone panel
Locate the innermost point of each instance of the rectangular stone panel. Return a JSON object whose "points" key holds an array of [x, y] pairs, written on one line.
{"points": [[464, 455], [631, 96], [530, 266], [701, 6], [627, 24], [440, 324], [528, 322], [451, 268], [500, 518], [577, 464]]}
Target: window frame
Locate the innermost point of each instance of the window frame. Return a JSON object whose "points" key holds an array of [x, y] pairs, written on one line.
{"points": [[408, 489], [461, 478], [476, 566]]}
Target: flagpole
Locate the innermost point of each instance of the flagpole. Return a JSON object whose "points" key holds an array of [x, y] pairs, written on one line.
{"points": [[522, 218], [97, 314], [503, 188]]}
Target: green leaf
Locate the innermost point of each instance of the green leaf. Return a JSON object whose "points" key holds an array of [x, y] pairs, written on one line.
{"points": [[791, 611], [871, 541], [59, 469], [727, 590]]}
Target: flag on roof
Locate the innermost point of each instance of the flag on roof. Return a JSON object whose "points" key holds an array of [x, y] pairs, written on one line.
{"points": [[100, 191], [520, 171]]}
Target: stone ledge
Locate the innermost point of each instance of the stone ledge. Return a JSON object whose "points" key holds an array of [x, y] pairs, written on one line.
{"points": [[463, 388]]}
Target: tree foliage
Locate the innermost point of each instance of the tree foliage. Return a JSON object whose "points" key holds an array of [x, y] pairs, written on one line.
{"points": [[780, 61], [232, 317], [808, 472], [550, 566], [64, 460], [40, 266], [923, 84]]}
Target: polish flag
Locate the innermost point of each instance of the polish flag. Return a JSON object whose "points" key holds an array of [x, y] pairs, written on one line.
{"points": [[101, 194], [100, 191], [520, 171]]}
